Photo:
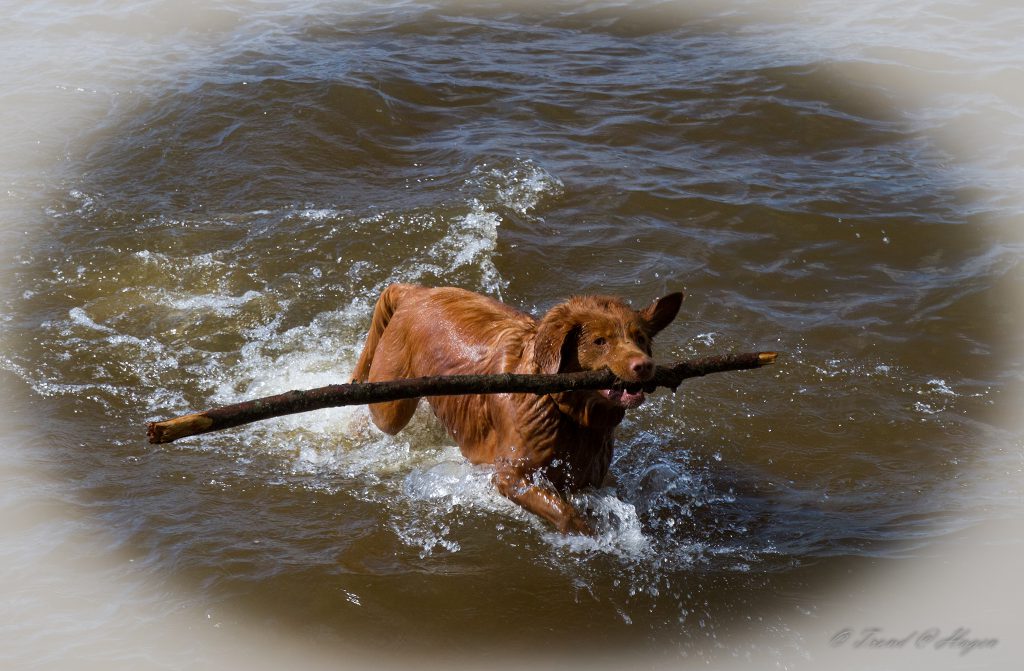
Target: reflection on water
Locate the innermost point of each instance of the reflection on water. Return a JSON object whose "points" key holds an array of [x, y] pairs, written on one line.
{"points": [[222, 231]]}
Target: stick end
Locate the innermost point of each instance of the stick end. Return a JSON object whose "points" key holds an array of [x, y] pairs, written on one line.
{"points": [[155, 433], [766, 358], [170, 430]]}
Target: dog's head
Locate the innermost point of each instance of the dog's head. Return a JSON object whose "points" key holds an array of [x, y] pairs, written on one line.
{"points": [[594, 332]]}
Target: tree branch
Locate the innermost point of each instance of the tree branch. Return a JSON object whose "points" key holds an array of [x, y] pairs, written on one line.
{"points": [[334, 395]]}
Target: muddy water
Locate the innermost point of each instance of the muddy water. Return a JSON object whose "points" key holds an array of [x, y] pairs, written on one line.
{"points": [[221, 194]]}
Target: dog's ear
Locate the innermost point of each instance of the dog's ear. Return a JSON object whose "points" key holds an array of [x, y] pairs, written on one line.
{"points": [[661, 312], [554, 349]]}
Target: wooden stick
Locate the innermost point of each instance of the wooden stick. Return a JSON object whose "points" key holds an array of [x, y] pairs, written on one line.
{"points": [[335, 395]]}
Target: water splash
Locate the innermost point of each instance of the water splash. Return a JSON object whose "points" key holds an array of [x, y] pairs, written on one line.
{"points": [[520, 185]]}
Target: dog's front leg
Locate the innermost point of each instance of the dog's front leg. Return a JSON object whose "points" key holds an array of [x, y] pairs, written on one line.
{"points": [[542, 501]]}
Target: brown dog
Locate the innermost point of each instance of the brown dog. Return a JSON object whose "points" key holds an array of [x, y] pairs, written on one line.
{"points": [[541, 446]]}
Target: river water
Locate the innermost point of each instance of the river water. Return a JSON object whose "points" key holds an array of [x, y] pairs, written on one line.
{"points": [[201, 202]]}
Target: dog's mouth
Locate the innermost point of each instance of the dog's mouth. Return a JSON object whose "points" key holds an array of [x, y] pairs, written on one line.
{"points": [[624, 398]]}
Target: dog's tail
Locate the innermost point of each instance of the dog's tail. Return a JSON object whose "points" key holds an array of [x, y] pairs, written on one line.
{"points": [[382, 312]]}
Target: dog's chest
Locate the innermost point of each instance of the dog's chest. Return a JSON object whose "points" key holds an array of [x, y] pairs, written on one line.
{"points": [[580, 459], [533, 435]]}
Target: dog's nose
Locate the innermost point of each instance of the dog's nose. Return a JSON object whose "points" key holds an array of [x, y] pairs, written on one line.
{"points": [[642, 367]]}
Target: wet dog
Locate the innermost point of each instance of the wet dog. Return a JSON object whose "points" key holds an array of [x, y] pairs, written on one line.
{"points": [[542, 446]]}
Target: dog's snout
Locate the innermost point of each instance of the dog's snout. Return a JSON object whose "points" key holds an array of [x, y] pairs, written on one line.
{"points": [[642, 367]]}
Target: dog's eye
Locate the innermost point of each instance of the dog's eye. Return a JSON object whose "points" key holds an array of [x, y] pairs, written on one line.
{"points": [[599, 341]]}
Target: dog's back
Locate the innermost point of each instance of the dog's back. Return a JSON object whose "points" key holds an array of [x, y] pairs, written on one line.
{"points": [[419, 331]]}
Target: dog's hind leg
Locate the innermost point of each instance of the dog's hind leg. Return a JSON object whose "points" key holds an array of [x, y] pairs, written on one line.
{"points": [[383, 359], [383, 311], [391, 416]]}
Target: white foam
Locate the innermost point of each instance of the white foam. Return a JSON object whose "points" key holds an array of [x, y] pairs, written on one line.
{"points": [[319, 214], [430, 536], [520, 186], [941, 387], [705, 339], [453, 481], [177, 265], [221, 304], [80, 317], [314, 355], [463, 255], [148, 256], [474, 238], [615, 522]]}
